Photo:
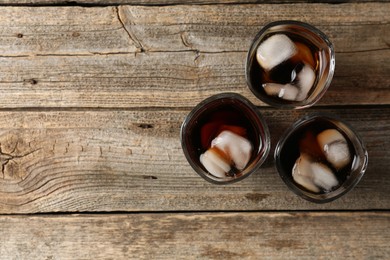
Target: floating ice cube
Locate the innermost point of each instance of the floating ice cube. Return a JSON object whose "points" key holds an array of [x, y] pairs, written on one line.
{"points": [[323, 176], [294, 92], [286, 92], [227, 149], [303, 174], [313, 175], [274, 51], [305, 81], [334, 147], [215, 163], [237, 148]]}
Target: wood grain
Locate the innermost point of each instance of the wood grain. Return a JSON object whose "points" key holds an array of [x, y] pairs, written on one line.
{"points": [[166, 2], [145, 56], [326, 235], [68, 161], [93, 94]]}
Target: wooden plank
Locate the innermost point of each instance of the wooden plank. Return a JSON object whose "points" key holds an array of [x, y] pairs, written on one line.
{"points": [[327, 235], [67, 161], [167, 80], [358, 27], [212, 28], [90, 57], [165, 2], [30, 31]]}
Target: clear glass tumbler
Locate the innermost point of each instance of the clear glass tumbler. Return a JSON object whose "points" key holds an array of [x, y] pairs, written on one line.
{"points": [[209, 119], [290, 64], [320, 158]]}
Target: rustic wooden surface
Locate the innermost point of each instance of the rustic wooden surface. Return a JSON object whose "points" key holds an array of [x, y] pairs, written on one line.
{"points": [[93, 94], [194, 236], [136, 56], [132, 161], [164, 2]]}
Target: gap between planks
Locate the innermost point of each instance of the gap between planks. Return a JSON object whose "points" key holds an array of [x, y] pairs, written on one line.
{"points": [[180, 108], [197, 212], [97, 3]]}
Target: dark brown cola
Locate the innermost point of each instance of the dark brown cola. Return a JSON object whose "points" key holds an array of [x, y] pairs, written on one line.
{"points": [[290, 64], [224, 138], [305, 142]]}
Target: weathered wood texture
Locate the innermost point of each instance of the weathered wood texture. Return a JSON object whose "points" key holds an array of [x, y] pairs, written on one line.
{"points": [[132, 161], [92, 99], [198, 236], [165, 2], [174, 56]]}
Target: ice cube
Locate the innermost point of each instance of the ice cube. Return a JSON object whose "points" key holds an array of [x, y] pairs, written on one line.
{"points": [[302, 173], [313, 175], [286, 92], [215, 163], [274, 51], [335, 148], [305, 81], [237, 148], [323, 176]]}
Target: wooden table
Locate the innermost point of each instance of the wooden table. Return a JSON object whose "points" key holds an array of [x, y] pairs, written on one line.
{"points": [[93, 94]]}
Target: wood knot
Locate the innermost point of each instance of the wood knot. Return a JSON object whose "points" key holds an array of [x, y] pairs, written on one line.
{"points": [[20, 35], [31, 81], [149, 177], [13, 149], [256, 197], [75, 34], [145, 126]]}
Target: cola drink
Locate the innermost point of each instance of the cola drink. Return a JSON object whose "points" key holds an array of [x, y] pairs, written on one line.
{"points": [[225, 138], [305, 142], [290, 64], [320, 158]]}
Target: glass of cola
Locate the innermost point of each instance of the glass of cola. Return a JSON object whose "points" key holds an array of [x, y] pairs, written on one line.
{"points": [[290, 64], [320, 158]]}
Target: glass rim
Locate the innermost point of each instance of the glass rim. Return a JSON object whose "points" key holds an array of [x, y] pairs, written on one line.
{"points": [[266, 142], [297, 104], [313, 197]]}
